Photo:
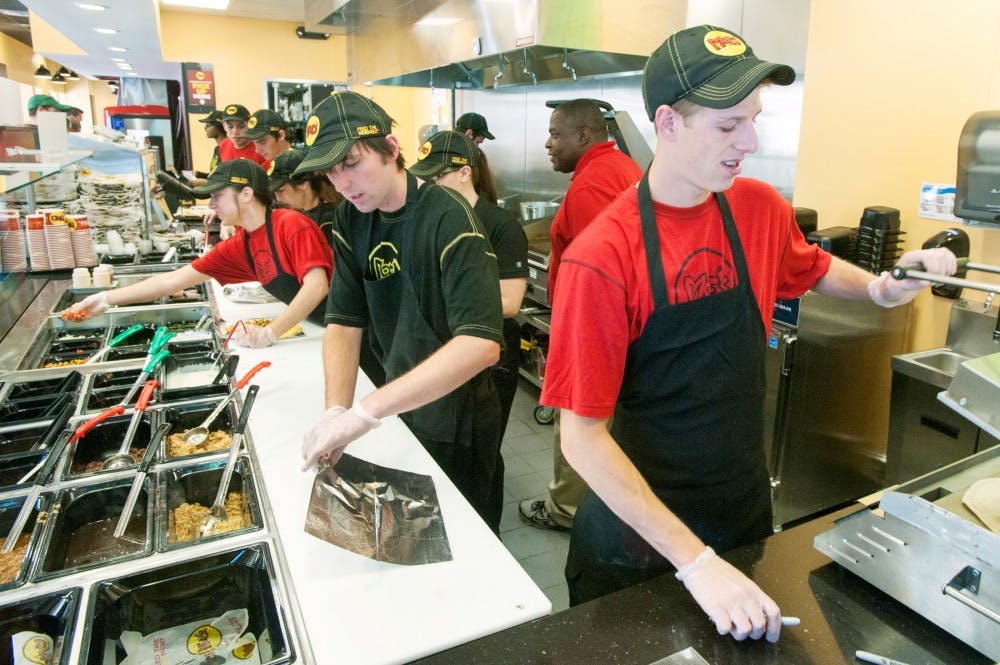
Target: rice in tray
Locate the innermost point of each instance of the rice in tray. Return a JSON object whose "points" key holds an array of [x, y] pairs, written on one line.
{"points": [[10, 562], [217, 440], [187, 518]]}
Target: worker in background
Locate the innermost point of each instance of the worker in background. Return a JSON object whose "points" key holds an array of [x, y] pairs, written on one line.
{"points": [[236, 144], [578, 144], [452, 160], [474, 127], [661, 318], [74, 119], [42, 102], [414, 264], [216, 132], [269, 134], [280, 248]]}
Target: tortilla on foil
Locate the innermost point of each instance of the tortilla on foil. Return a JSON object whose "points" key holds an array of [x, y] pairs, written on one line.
{"points": [[382, 513]]}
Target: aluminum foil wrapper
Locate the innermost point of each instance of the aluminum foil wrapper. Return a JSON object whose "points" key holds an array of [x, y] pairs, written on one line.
{"points": [[381, 513]]}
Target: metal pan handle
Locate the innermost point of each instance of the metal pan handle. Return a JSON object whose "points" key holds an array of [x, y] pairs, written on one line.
{"points": [[968, 578]]}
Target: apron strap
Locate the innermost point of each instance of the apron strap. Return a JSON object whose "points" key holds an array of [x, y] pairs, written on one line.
{"points": [[651, 240]]}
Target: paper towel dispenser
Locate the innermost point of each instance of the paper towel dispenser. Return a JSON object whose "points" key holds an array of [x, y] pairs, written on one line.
{"points": [[977, 192]]}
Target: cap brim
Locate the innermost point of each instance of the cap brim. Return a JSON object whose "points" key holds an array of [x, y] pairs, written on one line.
{"points": [[324, 156], [277, 183], [254, 134], [488, 135], [733, 84], [205, 191], [426, 169]]}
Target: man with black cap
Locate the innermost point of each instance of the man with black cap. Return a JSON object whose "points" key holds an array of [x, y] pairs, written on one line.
{"points": [[215, 132], [236, 144], [473, 126], [280, 248], [661, 322], [268, 132], [414, 266]]}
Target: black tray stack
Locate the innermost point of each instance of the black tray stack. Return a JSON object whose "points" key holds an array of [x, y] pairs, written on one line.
{"points": [[879, 239]]}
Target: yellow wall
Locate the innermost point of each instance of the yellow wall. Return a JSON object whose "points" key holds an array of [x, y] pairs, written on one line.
{"points": [[245, 52], [888, 86]]}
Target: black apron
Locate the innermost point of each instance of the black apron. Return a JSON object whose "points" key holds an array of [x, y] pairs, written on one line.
{"points": [[461, 430], [283, 286], [690, 417]]}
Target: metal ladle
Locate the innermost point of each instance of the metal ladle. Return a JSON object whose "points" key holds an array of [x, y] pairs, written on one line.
{"points": [[122, 458], [197, 435], [218, 511]]}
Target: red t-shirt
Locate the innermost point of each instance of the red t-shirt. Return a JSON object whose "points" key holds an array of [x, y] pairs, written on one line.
{"points": [[228, 151], [300, 243], [609, 299], [601, 174]]}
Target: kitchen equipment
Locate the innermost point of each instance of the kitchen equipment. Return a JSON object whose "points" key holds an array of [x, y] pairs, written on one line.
{"points": [[36, 487], [218, 512], [152, 363], [957, 241], [123, 459], [49, 438], [532, 210], [976, 193], [198, 434], [140, 477], [924, 548], [118, 339]]}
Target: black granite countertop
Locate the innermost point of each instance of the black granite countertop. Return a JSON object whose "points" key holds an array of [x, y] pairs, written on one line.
{"points": [[840, 614]]}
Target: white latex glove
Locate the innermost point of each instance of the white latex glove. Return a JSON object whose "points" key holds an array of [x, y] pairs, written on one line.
{"points": [[887, 291], [330, 436], [92, 305], [253, 337], [225, 231], [732, 601]]}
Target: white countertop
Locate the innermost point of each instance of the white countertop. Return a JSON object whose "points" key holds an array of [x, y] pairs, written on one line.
{"points": [[353, 609]]}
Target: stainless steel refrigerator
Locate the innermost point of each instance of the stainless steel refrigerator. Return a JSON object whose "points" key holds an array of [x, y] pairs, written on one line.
{"points": [[826, 422]]}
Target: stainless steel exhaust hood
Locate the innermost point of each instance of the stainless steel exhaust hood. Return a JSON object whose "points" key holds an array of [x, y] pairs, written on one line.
{"points": [[494, 43]]}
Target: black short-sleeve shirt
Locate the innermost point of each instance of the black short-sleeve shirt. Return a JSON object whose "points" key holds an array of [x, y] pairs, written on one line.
{"points": [[507, 238], [442, 249]]}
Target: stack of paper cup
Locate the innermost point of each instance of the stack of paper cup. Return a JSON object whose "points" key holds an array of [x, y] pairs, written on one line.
{"points": [[12, 242], [35, 231], [58, 242], [83, 242]]}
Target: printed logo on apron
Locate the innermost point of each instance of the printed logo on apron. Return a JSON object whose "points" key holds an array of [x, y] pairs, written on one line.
{"points": [[264, 264], [383, 261]]}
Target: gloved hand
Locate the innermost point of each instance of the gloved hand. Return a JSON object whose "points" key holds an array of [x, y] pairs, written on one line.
{"points": [[92, 305], [253, 337], [887, 291], [330, 436], [734, 603]]}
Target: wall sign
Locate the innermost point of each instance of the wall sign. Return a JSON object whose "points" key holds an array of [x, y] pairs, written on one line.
{"points": [[199, 87]]}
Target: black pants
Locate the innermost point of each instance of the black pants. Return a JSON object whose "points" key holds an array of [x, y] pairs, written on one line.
{"points": [[472, 461], [505, 373]]}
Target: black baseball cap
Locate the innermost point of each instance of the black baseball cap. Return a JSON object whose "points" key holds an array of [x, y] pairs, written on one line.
{"points": [[283, 167], [262, 123], [706, 65], [235, 112], [336, 123], [213, 118], [448, 149], [235, 173], [476, 123]]}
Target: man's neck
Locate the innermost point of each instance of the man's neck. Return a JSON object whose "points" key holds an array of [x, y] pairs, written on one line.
{"points": [[252, 217], [396, 198], [669, 190]]}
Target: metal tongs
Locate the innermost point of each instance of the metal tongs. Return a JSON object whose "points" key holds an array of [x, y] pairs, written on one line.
{"points": [[140, 477], [916, 271], [154, 357], [218, 511], [118, 339], [196, 435], [50, 462]]}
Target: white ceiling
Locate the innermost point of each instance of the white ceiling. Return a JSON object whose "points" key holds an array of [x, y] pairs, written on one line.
{"points": [[135, 23]]}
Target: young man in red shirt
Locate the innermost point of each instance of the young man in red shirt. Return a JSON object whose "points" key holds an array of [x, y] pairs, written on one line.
{"points": [[236, 144]]}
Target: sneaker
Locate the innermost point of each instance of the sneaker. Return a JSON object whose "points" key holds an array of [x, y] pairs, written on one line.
{"points": [[537, 515]]}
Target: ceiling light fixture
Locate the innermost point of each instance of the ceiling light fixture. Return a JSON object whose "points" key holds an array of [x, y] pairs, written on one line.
{"points": [[42, 72], [118, 60], [63, 72], [437, 21], [58, 79], [106, 31], [117, 49], [91, 8], [198, 4], [72, 76]]}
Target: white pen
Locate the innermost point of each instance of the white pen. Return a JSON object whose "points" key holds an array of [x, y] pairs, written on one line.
{"points": [[790, 621], [875, 658]]}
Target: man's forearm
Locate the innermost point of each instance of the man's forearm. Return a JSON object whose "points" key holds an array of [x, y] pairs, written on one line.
{"points": [[341, 350]]}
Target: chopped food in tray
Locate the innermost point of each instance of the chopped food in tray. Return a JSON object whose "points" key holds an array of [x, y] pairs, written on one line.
{"points": [[294, 331], [186, 519], [217, 440], [65, 363], [10, 562]]}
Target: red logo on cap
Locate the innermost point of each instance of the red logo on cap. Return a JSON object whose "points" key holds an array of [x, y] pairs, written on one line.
{"points": [[724, 43], [312, 129]]}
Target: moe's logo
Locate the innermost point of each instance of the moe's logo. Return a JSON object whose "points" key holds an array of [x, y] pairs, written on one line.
{"points": [[200, 76], [270, 169], [203, 639], [239, 180], [367, 130], [252, 122], [231, 110], [383, 261], [724, 43], [425, 150], [312, 129]]}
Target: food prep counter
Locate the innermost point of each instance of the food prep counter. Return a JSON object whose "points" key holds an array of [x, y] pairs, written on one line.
{"points": [[307, 600]]}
